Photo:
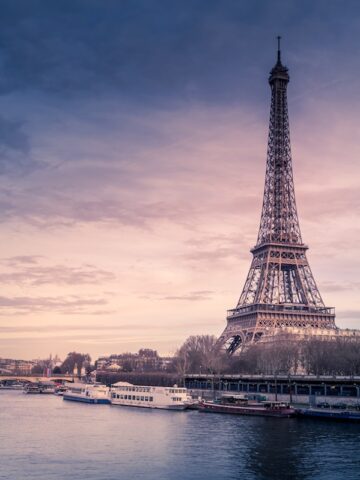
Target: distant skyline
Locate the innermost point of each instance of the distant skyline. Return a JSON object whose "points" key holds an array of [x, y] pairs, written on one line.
{"points": [[133, 142]]}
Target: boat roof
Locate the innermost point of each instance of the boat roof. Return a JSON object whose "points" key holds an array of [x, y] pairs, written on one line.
{"points": [[123, 384], [83, 385], [234, 395]]}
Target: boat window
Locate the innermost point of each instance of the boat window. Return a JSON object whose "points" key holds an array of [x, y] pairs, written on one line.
{"points": [[142, 399], [150, 399], [146, 399]]}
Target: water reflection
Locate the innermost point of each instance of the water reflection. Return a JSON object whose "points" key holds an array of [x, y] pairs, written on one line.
{"points": [[279, 451], [296, 449]]}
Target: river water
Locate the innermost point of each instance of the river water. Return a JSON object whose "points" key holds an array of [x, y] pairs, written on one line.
{"points": [[45, 437]]}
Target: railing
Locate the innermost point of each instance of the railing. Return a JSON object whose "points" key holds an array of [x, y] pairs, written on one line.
{"points": [[279, 307]]}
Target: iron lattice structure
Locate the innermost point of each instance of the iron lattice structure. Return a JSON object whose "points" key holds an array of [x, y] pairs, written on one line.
{"points": [[280, 290]]}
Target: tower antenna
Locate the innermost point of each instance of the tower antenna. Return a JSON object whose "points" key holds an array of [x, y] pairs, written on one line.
{"points": [[279, 51]]}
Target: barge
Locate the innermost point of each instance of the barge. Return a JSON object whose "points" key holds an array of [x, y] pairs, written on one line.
{"points": [[240, 405], [329, 414]]}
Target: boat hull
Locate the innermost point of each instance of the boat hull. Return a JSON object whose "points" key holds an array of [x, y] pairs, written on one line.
{"points": [[327, 414], [248, 410], [151, 407], [74, 398]]}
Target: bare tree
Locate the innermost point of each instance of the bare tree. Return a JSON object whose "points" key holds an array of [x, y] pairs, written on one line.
{"points": [[199, 354]]}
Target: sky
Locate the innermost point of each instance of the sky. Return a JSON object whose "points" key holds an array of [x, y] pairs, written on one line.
{"points": [[133, 140]]}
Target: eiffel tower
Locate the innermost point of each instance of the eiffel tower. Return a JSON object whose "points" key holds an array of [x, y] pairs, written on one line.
{"points": [[280, 291]]}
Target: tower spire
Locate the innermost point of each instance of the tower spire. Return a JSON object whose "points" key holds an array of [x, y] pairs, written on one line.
{"points": [[279, 50]]}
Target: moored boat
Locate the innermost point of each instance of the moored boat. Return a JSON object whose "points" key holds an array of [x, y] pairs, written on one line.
{"points": [[11, 386], [240, 405], [168, 398], [31, 388], [330, 414], [42, 387], [60, 390], [87, 393]]}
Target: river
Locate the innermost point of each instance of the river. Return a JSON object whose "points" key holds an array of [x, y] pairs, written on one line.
{"points": [[44, 437]]}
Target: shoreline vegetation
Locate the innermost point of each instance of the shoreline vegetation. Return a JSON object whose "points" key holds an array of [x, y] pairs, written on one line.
{"points": [[200, 355]]}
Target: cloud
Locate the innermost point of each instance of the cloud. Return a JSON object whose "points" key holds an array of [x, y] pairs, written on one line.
{"points": [[20, 260], [71, 304], [15, 150], [82, 47], [180, 178], [192, 296], [135, 133], [207, 249], [27, 270], [211, 255], [339, 287], [351, 314], [330, 202], [12, 136], [202, 49]]}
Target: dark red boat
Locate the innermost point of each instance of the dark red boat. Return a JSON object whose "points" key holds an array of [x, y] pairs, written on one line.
{"points": [[239, 405]]}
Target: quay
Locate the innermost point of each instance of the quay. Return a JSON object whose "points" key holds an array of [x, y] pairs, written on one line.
{"points": [[299, 389]]}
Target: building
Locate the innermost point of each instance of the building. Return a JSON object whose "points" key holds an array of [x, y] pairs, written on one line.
{"points": [[146, 360], [280, 294]]}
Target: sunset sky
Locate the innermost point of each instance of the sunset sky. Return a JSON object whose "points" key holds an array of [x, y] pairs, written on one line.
{"points": [[133, 141]]}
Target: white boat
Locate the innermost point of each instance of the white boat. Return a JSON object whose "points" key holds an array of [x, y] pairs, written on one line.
{"points": [[169, 398], [60, 390], [87, 393], [11, 386], [41, 387]]}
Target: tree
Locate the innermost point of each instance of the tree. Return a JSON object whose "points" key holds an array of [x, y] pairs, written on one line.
{"points": [[74, 358], [199, 354], [37, 369], [57, 371], [274, 358], [331, 357], [148, 352]]}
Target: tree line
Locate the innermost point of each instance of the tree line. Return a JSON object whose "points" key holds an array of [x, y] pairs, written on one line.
{"points": [[316, 356], [200, 354]]}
